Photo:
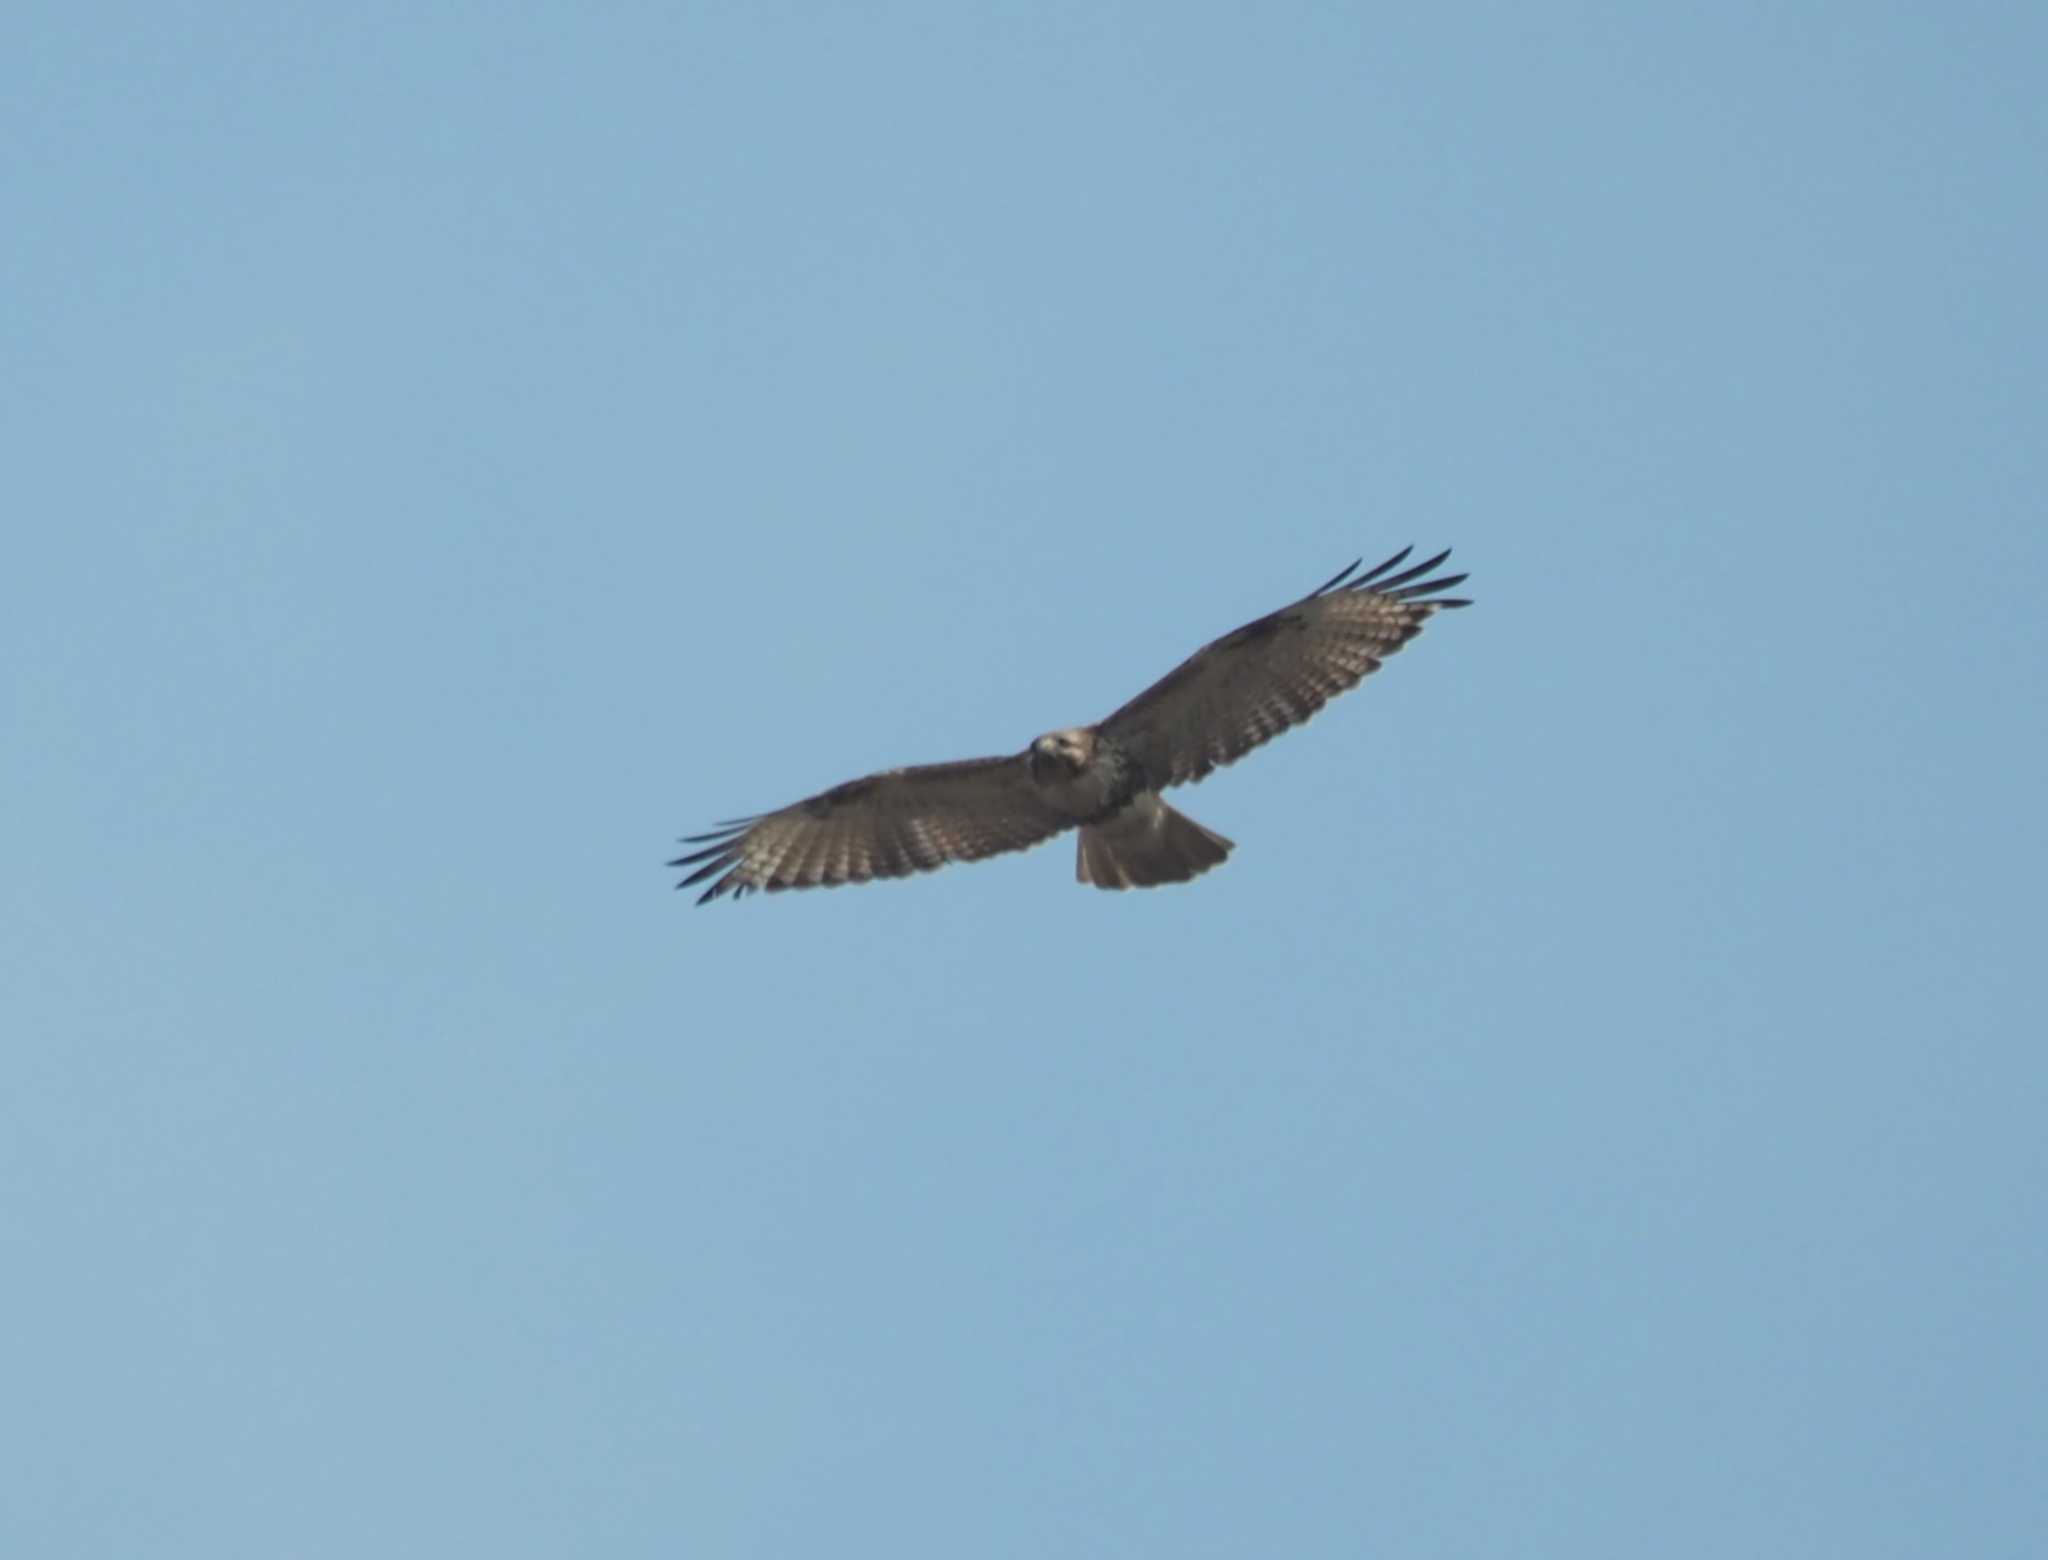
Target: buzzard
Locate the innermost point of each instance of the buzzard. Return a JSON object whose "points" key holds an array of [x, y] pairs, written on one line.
{"points": [[1105, 779]]}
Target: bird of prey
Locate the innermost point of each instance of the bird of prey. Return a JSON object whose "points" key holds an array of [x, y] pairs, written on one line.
{"points": [[1105, 779]]}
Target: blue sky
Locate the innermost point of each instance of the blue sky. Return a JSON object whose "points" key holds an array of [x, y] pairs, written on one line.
{"points": [[453, 450]]}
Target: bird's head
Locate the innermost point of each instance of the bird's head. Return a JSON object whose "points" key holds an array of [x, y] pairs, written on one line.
{"points": [[1063, 752]]}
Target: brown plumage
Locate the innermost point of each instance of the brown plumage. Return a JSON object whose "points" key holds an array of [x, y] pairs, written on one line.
{"points": [[1216, 706]]}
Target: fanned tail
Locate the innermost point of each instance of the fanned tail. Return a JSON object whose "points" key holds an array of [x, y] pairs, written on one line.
{"points": [[1145, 845]]}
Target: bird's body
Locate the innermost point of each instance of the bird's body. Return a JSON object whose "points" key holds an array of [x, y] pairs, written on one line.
{"points": [[1080, 774], [1104, 779]]}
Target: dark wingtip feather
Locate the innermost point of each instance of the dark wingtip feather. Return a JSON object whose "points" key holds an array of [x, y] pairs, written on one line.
{"points": [[1393, 582], [722, 831], [721, 848], [727, 886], [1336, 579], [718, 863], [1410, 584], [1378, 569], [1429, 587]]}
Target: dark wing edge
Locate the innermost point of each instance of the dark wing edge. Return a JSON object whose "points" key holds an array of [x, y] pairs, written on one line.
{"points": [[891, 824], [1275, 707], [1397, 586]]}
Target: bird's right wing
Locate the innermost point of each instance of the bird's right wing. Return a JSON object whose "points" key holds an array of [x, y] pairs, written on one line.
{"points": [[886, 825]]}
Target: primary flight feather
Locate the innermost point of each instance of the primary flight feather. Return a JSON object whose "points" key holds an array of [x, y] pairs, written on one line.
{"points": [[1105, 779]]}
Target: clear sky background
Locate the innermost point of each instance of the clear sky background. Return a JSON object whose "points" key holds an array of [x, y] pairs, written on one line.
{"points": [[452, 450]]}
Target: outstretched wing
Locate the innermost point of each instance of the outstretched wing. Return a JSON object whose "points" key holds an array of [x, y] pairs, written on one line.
{"points": [[887, 825], [1251, 685]]}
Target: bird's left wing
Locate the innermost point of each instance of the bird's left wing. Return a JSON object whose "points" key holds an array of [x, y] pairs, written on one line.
{"points": [[1251, 685], [885, 825]]}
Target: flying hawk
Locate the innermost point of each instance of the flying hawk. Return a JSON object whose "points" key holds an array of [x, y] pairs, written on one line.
{"points": [[1105, 779]]}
